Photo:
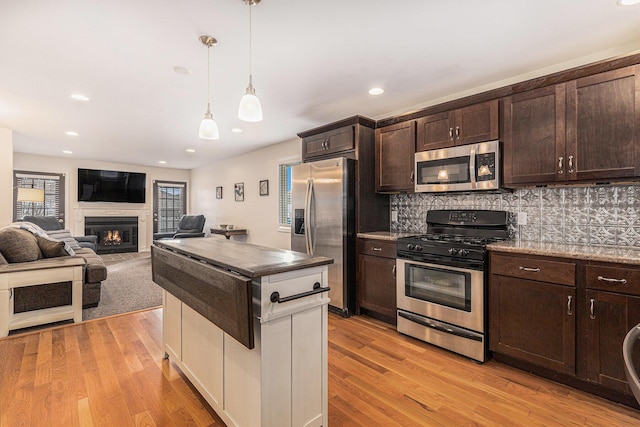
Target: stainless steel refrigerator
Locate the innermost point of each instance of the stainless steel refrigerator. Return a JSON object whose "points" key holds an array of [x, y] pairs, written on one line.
{"points": [[323, 208]]}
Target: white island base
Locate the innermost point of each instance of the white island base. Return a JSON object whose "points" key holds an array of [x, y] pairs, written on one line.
{"points": [[282, 381]]}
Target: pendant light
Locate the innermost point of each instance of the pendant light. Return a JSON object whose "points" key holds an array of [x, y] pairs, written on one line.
{"points": [[208, 127], [250, 109]]}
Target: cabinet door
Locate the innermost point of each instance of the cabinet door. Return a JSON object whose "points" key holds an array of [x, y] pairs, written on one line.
{"points": [[377, 285], [172, 325], [477, 123], [603, 120], [339, 140], [435, 131], [534, 136], [313, 145], [609, 317], [395, 157], [533, 321]]}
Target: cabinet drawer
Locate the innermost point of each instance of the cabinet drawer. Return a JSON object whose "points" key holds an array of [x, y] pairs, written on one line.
{"points": [[562, 273], [377, 248], [621, 280]]}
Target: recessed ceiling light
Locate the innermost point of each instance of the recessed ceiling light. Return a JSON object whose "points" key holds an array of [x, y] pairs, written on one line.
{"points": [[376, 91], [190, 150], [67, 152], [162, 162], [79, 97], [236, 130], [627, 2], [71, 133], [181, 70]]}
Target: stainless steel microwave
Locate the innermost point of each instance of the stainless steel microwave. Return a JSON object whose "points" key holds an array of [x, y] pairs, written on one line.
{"points": [[462, 168]]}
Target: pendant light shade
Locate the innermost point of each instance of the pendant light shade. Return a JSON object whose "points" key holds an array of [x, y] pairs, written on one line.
{"points": [[250, 109], [208, 126]]}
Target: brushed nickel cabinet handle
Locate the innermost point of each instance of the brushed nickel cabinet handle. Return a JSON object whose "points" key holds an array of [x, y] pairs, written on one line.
{"points": [[592, 313], [560, 160], [393, 271], [457, 132], [569, 312], [373, 248], [610, 280], [451, 134], [533, 270], [412, 177], [570, 164]]}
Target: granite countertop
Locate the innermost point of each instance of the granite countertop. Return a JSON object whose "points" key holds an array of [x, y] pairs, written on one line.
{"points": [[386, 235], [623, 255], [245, 258]]}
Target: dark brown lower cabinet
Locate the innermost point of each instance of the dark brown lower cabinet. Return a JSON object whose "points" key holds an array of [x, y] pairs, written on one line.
{"points": [[571, 331], [377, 279], [534, 321]]}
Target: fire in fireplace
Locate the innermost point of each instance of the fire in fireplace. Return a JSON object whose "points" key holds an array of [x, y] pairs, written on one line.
{"points": [[115, 234], [112, 238]]}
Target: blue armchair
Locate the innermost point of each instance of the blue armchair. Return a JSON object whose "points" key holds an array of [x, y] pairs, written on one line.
{"points": [[189, 226]]}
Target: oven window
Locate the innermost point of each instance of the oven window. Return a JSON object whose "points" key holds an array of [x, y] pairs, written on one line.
{"points": [[445, 171], [439, 286]]}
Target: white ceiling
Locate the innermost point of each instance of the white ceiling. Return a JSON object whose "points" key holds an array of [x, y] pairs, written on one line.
{"points": [[313, 63]]}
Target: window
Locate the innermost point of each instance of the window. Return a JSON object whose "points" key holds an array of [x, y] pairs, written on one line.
{"points": [[169, 204], [53, 186], [284, 193]]}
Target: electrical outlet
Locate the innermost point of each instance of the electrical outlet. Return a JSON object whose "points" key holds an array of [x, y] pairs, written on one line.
{"points": [[394, 216], [522, 218]]}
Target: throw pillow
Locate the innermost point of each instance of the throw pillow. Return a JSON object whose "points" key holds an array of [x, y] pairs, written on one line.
{"points": [[51, 248], [19, 245]]}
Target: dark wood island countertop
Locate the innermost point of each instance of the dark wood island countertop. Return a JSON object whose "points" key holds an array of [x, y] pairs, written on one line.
{"points": [[245, 258]]}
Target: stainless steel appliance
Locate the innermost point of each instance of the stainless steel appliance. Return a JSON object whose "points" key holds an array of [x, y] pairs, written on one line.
{"points": [[322, 200], [442, 279], [462, 168]]}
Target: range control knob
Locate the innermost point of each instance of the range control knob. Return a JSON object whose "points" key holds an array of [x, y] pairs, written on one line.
{"points": [[418, 248], [463, 252], [453, 251], [411, 246]]}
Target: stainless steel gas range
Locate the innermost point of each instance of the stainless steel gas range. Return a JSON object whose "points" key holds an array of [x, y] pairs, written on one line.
{"points": [[442, 279]]}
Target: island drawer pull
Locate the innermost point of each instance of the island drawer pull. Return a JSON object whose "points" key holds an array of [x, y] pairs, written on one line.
{"points": [[373, 248], [275, 296], [607, 279], [534, 270]]}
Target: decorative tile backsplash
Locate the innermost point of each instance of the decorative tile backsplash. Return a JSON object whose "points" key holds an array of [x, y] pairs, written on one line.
{"points": [[599, 215]]}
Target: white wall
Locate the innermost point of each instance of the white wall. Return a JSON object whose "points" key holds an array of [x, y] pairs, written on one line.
{"points": [[6, 175], [68, 166], [258, 214]]}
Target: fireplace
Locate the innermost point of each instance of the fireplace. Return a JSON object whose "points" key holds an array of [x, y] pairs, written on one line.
{"points": [[115, 233]]}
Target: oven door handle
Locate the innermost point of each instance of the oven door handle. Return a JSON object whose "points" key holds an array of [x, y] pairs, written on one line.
{"points": [[440, 327], [472, 167]]}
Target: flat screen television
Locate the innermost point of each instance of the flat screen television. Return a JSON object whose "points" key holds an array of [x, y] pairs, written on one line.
{"points": [[111, 186]]}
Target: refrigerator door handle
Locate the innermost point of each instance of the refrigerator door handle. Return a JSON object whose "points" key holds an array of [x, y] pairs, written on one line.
{"points": [[310, 226], [307, 206]]}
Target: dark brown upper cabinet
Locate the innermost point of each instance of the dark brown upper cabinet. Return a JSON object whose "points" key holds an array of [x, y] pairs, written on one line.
{"points": [[603, 116], [584, 130], [467, 125], [395, 157], [533, 136], [328, 143]]}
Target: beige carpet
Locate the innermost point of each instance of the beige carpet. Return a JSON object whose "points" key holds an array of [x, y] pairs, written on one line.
{"points": [[128, 288]]}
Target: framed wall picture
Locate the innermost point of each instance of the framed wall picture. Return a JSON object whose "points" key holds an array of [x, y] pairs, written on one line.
{"points": [[239, 191], [218, 192], [264, 187]]}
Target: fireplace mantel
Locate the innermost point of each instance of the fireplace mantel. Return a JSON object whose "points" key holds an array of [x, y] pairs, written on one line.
{"points": [[77, 228]]}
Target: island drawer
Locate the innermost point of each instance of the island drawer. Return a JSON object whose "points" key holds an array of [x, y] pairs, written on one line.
{"points": [[614, 279], [543, 270]]}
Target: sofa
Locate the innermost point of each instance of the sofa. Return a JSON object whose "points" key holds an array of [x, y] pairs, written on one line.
{"points": [[23, 245], [53, 228]]}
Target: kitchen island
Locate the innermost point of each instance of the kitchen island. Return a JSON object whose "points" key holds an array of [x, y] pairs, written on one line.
{"points": [[247, 325]]}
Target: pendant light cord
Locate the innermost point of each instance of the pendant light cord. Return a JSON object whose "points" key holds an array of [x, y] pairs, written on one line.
{"points": [[250, 39], [208, 78]]}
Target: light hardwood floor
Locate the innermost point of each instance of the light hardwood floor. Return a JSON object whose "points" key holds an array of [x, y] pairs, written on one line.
{"points": [[110, 372]]}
